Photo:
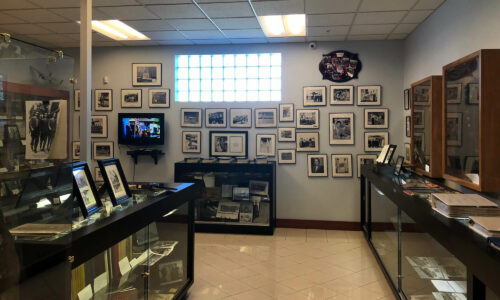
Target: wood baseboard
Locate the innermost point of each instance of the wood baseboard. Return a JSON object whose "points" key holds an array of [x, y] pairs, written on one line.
{"points": [[316, 224]]}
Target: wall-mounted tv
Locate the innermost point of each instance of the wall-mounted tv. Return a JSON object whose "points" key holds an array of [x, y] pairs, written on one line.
{"points": [[141, 129]]}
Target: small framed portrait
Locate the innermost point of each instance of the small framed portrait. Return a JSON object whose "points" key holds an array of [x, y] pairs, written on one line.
{"points": [[421, 95], [341, 165], [369, 95], [77, 99], [99, 127], [266, 145], [102, 150], [453, 93], [286, 156], [419, 142], [342, 129], [454, 129], [103, 100], [407, 99], [191, 117], [341, 95], [11, 132], [191, 142], [85, 190], [317, 165], [229, 143], [308, 118], [365, 159], [76, 151], [408, 126], [315, 96], [286, 112], [407, 152], [258, 187], [159, 98], [132, 98], [115, 180], [240, 117], [418, 118], [471, 164], [215, 117], [376, 118], [307, 141], [98, 175], [286, 134], [473, 93], [375, 141], [265, 118], [146, 74]]}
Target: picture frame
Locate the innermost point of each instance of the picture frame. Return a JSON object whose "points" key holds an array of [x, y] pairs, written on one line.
{"points": [[363, 159], [286, 156], [131, 98], [454, 129], [341, 128], [191, 142], [341, 95], [11, 133], [314, 96], [241, 193], [376, 118], [146, 74], [99, 127], [228, 143], [265, 118], [375, 141], [473, 93], [418, 141], [307, 118], [307, 141], [215, 118], [418, 118], [369, 95], [85, 190], [258, 187], [159, 98], [286, 112], [98, 175], [77, 100], [191, 117], [453, 93], [421, 95], [341, 165], [115, 180], [286, 134], [390, 154], [317, 165], [398, 167], [406, 102], [103, 100], [102, 150], [75, 153], [407, 152], [240, 117], [265, 144], [408, 126]]}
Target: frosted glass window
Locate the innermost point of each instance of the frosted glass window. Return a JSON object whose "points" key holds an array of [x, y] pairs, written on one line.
{"points": [[228, 77]]}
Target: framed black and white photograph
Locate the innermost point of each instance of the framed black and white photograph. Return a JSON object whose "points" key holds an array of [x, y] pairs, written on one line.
{"points": [[307, 141], [418, 142], [77, 99], [131, 98], [407, 99], [85, 190], [453, 93], [240, 117], [11, 133], [102, 150], [191, 117], [418, 118], [115, 180], [341, 95], [454, 129], [365, 159], [314, 95], [266, 144], [286, 156], [99, 127], [286, 134], [146, 74], [286, 112], [407, 152], [258, 187], [229, 143], [341, 165], [369, 95], [473, 93], [376, 118], [408, 126], [307, 118], [375, 141], [421, 95], [103, 100], [342, 129], [159, 98], [265, 118], [215, 118], [76, 151], [171, 272], [317, 165], [98, 175], [191, 142], [471, 164]]}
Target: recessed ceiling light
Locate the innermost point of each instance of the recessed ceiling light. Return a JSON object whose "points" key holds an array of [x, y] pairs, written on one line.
{"points": [[117, 30], [284, 25]]}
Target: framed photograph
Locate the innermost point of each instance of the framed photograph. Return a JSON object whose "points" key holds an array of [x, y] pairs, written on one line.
{"points": [[258, 187], [315, 96], [159, 98], [418, 141], [454, 129], [317, 165], [76, 151], [146, 74], [171, 272], [191, 142], [377, 118], [265, 118], [471, 164], [421, 95], [102, 150], [418, 118], [11, 133], [99, 127], [191, 117], [307, 141], [390, 154], [77, 99], [341, 95], [365, 159], [229, 143], [407, 152], [375, 141], [473, 93], [286, 156], [286, 112], [98, 175], [266, 145], [407, 99], [341, 165], [103, 100], [342, 129], [453, 93], [408, 126], [215, 117], [286, 134], [308, 118], [85, 190], [115, 180], [240, 117], [131, 98], [241, 193], [369, 95]]}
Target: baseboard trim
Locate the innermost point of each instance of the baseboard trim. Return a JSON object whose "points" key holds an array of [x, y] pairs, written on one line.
{"points": [[316, 224]]}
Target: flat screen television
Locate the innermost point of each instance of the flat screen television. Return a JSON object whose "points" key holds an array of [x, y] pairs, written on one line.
{"points": [[141, 129]]}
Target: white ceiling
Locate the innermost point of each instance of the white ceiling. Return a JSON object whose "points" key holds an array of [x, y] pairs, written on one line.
{"points": [[51, 23]]}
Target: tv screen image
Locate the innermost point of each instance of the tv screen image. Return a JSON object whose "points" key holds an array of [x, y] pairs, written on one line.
{"points": [[141, 129]]}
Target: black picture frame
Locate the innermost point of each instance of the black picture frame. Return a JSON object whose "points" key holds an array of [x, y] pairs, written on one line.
{"points": [[407, 99], [248, 113], [282, 108], [399, 165], [183, 144], [215, 110], [193, 110], [105, 129], [299, 125], [244, 134], [122, 98], [293, 161], [311, 172], [108, 164], [106, 108], [110, 144], [86, 211], [157, 83], [408, 126], [306, 102], [257, 140], [260, 110]]}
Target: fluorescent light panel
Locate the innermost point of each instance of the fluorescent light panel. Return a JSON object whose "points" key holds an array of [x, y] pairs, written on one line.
{"points": [[117, 30], [284, 25]]}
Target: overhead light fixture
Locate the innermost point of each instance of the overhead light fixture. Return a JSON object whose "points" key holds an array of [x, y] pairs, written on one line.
{"points": [[284, 25], [117, 30]]}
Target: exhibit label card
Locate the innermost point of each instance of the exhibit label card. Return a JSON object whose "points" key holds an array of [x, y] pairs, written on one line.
{"points": [[86, 293], [101, 282], [124, 265]]}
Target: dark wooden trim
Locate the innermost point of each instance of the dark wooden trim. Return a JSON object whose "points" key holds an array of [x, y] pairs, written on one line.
{"points": [[318, 224], [24, 89]]}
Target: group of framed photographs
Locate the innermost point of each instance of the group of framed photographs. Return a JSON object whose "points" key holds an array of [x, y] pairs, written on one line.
{"points": [[238, 117], [317, 165], [100, 150], [342, 95], [130, 98]]}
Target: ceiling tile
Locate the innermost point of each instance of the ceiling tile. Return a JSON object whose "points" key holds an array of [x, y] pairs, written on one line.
{"points": [[53, 38], [24, 29], [366, 37], [405, 28], [417, 16], [397, 36], [179, 11], [165, 1], [237, 23], [69, 44], [128, 13], [203, 34], [227, 10], [150, 25], [379, 17], [428, 4], [211, 42], [139, 43], [67, 27], [244, 33], [248, 41], [286, 7], [164, 35], [325, 31], [192, 24], [17, 4], [113, 2], [95, 37], [372, 29], [73, 14], [331, 6], [386, 5], [57, 3], [106, 44], [329, 19], [175, 42], [6, 19], [325, 38], [36, 15], [293, 39]]}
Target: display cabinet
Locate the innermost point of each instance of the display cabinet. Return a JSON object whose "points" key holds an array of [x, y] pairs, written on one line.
{"points": [[471, 86], [238, 198], [426, 113]]}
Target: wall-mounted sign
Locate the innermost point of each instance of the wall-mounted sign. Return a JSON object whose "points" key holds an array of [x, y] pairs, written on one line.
{"points": [[340, 66]]}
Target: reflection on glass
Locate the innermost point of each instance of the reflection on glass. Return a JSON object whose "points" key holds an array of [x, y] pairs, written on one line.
{"points": [[422, 103]]}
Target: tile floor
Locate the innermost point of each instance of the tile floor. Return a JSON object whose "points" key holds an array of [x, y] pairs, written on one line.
{"points": [[292, 264]]}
